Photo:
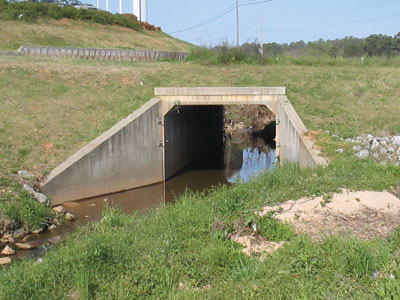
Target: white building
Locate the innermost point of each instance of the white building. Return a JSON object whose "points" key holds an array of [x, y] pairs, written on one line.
{"points": [[140, 9]]}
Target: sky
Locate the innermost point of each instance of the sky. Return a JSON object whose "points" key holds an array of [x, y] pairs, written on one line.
{"points": [[283, 21]]}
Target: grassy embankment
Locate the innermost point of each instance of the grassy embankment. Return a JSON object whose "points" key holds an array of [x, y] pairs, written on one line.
{"points": [[50, 108], [75, 33]]}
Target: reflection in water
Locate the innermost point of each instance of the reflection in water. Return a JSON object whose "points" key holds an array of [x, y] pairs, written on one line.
{"points": [[242, 157], [254, 162]]}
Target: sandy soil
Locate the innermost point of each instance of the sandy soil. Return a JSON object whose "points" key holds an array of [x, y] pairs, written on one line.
{"points": [[256, 244], [366, 214]]}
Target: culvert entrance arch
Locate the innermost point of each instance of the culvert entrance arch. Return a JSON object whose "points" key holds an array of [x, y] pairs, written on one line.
{"points": [[166, 134]]}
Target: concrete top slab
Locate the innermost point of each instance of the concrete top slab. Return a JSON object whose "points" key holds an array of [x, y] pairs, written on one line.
{"points": [[215, 91]]}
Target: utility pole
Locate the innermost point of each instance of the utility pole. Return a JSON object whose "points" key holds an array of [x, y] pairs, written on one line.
{"points": [[262, 35], [107, 8], [120, 7], [237, 23], [98, 4], [197, 37]]}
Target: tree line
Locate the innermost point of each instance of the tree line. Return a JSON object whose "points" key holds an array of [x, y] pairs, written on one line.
{"points": [[373, 45]]}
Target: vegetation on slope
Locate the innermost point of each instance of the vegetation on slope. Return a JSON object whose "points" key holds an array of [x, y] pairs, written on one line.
{"points": [[50, 108], [30, 11], [75, 33], [41, 24], [227, 54]]}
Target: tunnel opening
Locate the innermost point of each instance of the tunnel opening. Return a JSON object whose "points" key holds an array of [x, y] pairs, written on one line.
{"points": [[234, 143]]}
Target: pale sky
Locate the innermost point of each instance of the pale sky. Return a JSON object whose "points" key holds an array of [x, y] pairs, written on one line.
{"points": [[283, 20]]}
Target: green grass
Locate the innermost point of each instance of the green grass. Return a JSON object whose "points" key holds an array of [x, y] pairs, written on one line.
{"points": [[50, 108], [149, 257]]}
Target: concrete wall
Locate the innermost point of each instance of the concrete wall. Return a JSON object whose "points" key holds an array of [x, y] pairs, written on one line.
{"points": [[129, 155], [9, 53], [190, 132], [294, 145], [102, 53], [124, 157]]}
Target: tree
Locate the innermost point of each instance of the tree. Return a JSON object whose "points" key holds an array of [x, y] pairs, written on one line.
{"points": [[378, 45], [396, 43], [334, 51], [3, 4], [352, 51]]}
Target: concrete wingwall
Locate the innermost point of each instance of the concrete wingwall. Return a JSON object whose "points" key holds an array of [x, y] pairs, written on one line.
{"points": [[294, 145], [124, 157], [102, 53]]}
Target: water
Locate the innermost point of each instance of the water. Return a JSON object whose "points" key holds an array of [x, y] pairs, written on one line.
{"points": [[241, 158]]}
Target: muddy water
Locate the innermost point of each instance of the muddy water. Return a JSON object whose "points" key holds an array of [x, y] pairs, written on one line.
{"points": [[240, 158]]}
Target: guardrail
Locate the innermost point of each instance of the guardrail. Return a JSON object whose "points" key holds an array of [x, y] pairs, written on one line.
{"points": [[102, 53]]}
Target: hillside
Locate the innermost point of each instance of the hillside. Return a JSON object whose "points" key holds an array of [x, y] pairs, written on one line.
{"points": [[74, 33]]}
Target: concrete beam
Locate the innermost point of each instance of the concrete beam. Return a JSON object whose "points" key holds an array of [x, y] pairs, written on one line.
{"points": [[218, 91]]}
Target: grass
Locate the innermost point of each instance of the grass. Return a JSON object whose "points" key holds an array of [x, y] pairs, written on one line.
{"points": [[50, 108], [172, 253], [74, 33], [227, 54]]}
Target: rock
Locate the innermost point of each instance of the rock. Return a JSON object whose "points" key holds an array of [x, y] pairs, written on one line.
{"points": [[370, 136], [362, 154], [19, 234], [390, 150], [5, 261], [7, 251], [376, 155], [40, 260], [59, 209], [56, 222], [41, 198], [55, 240], [398, 151], [29, 245], [357, 148], [69, 217], [7, 238], [375, 144], [25, 174], [382, 150], [52, 227], [37, 231], [396, 140], [340, 150], [27, 238], [29, 189]]}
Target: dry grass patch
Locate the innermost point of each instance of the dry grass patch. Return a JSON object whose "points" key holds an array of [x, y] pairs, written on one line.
{"points": [[74, 33], [368, 215]]}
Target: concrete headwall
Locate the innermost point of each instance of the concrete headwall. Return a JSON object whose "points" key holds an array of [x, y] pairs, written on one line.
{"points": [[124, 157], [165, 135], [102, 53]]}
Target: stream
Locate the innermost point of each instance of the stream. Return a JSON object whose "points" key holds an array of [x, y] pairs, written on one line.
{"points": [[240, 158]]}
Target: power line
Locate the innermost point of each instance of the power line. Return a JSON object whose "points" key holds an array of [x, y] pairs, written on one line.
{"points": [[220, 14], [335, 12], [342, 23]]}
